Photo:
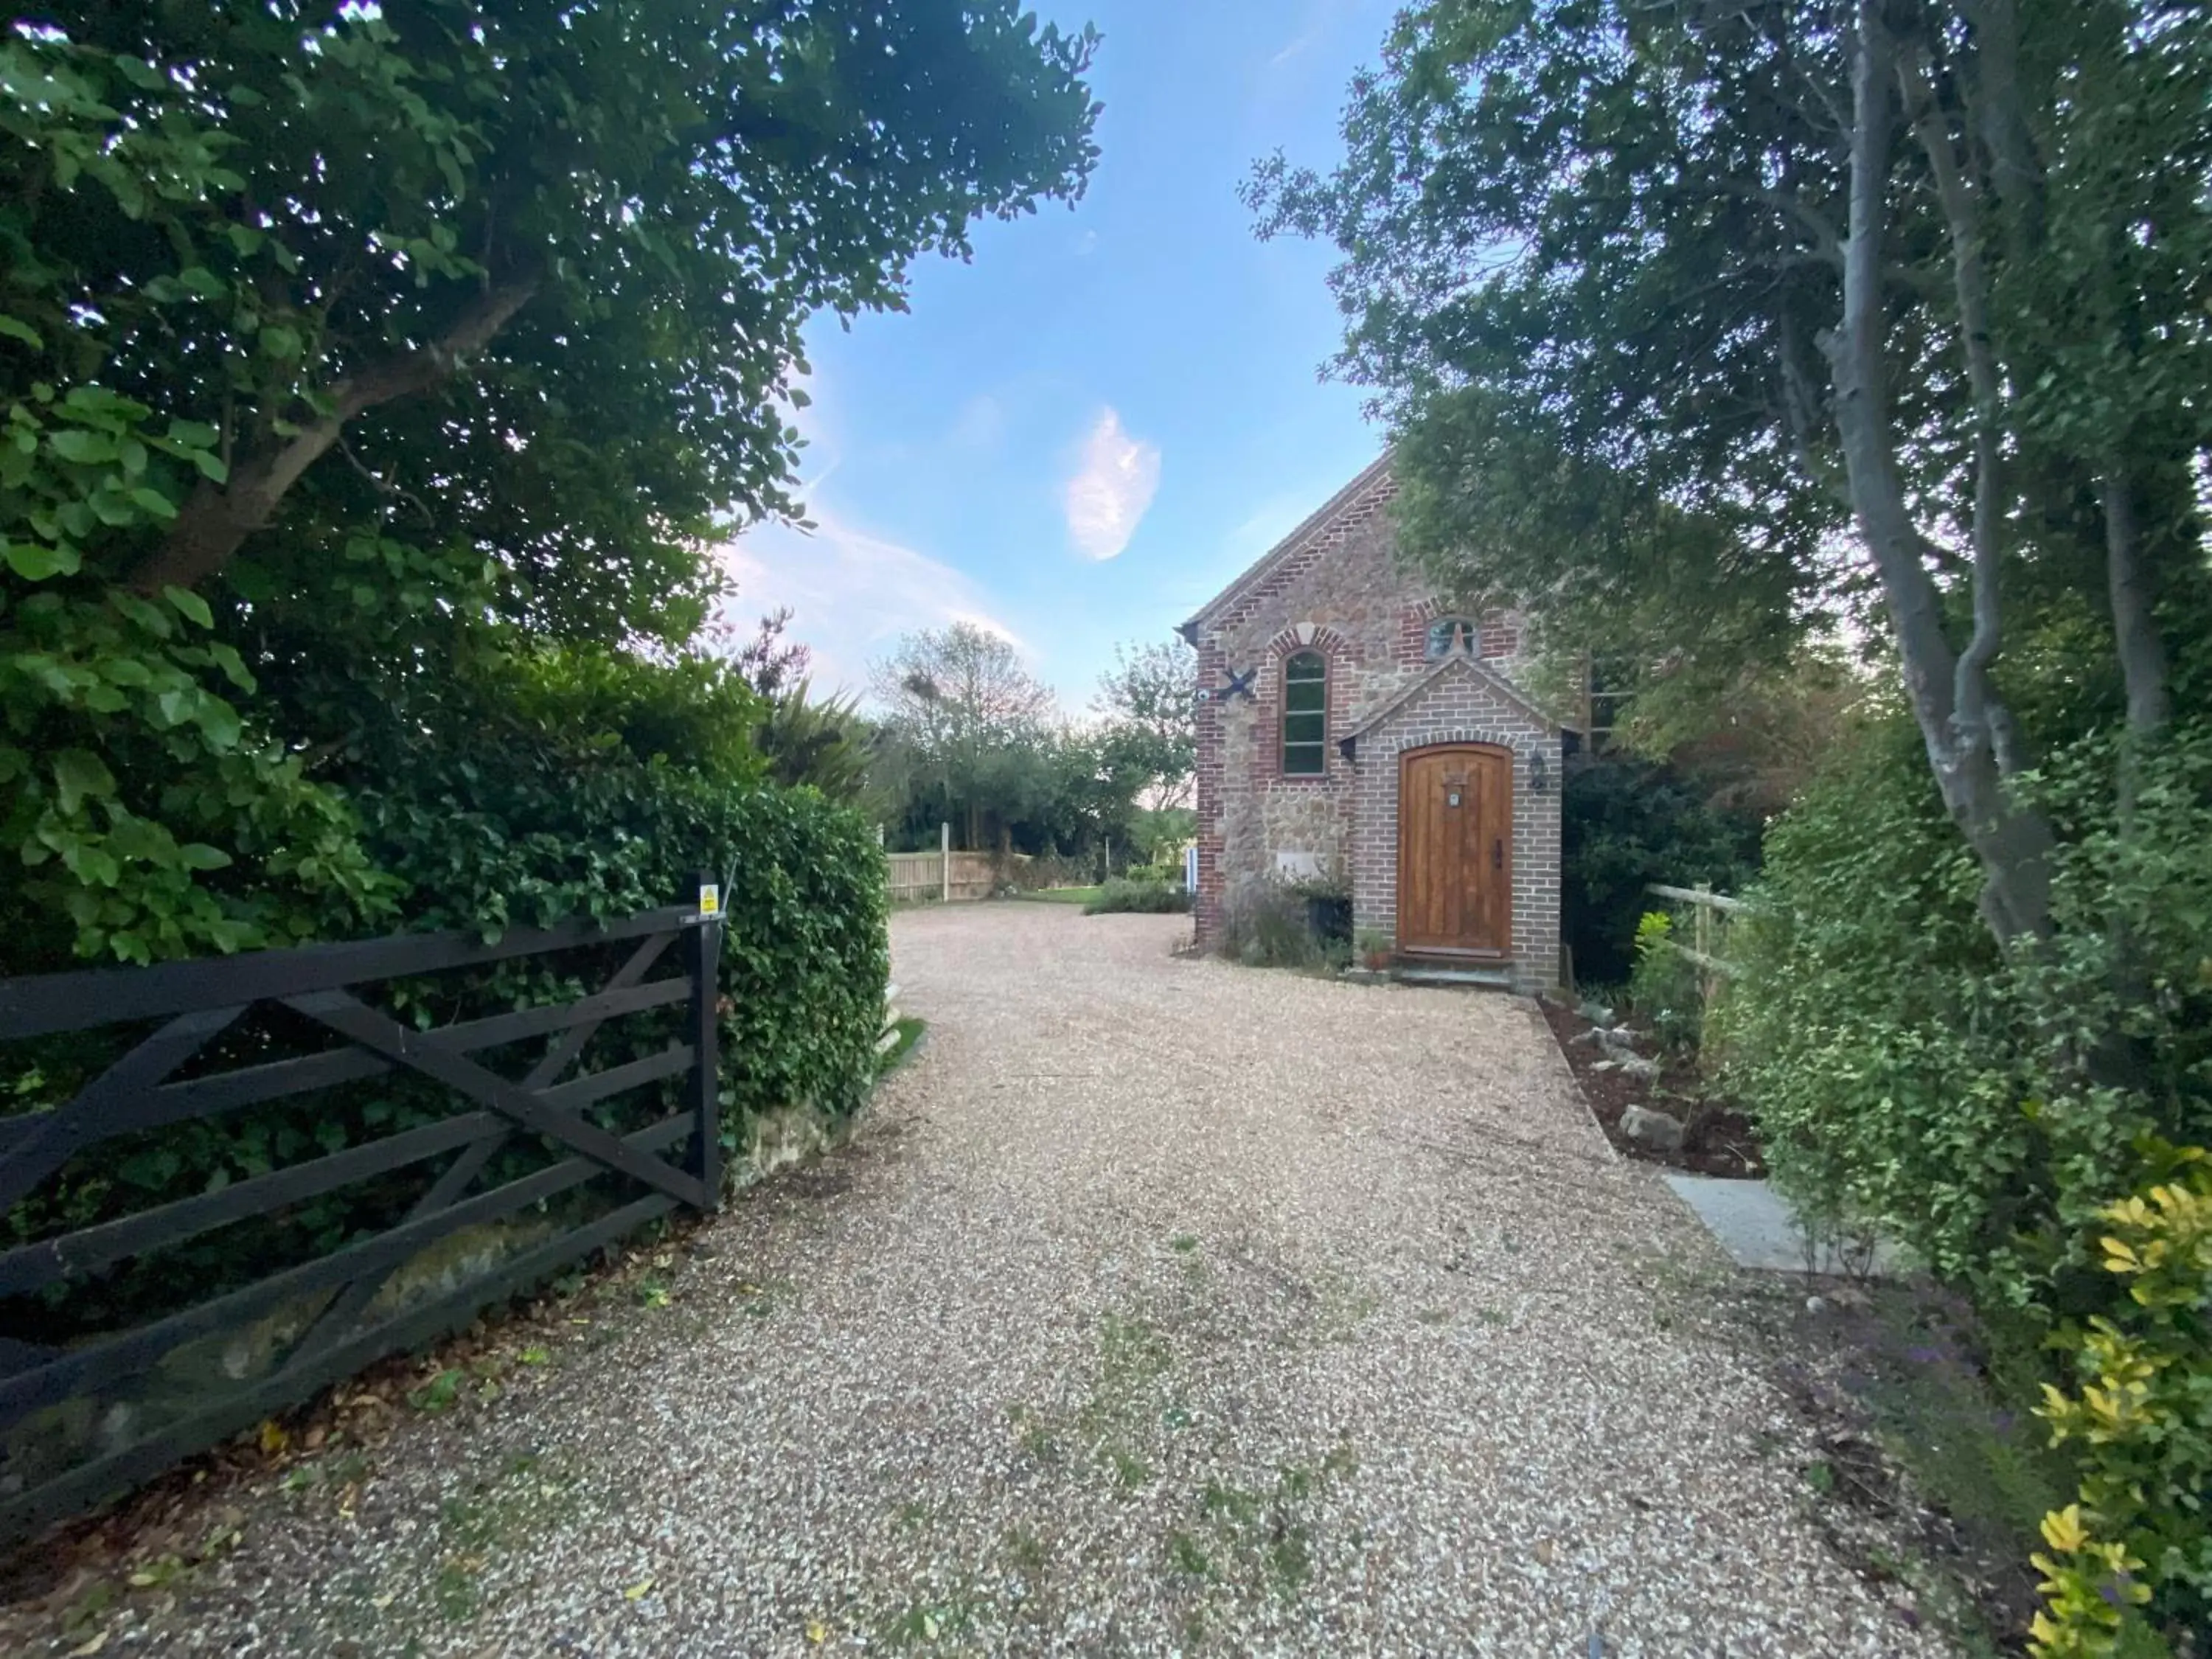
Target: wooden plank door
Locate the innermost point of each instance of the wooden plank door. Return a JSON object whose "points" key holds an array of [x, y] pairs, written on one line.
{"points": [[1455, 850]]}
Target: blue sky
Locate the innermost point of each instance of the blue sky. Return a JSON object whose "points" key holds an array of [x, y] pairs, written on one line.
{"points": [[1079, 436]]}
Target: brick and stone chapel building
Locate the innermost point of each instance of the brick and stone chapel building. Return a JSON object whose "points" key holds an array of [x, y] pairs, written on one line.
{"points": [[1352, 725]]}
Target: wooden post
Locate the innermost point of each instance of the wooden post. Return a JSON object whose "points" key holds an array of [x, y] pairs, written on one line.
{"points": [[704, 948], [944, 855], [1707, 980]]}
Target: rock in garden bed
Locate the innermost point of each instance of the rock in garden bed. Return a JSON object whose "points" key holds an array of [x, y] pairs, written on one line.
{"points": [[1679, 1119]]}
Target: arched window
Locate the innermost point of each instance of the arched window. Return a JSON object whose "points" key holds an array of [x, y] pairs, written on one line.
{"points": [[1305, 716], [1450, 633]]}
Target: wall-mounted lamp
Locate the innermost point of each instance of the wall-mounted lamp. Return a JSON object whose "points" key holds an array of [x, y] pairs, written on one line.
{"points": [[1539, 779]]}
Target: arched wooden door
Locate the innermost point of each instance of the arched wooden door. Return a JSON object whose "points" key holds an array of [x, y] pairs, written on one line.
{"points": [[1455, 850]]}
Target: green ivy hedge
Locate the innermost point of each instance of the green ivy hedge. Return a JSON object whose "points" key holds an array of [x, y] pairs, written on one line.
{"points": [[516, 832], [805, 955]]}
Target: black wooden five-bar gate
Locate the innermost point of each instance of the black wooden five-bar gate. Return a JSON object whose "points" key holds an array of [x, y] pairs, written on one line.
{"points": [[196, 1004]]}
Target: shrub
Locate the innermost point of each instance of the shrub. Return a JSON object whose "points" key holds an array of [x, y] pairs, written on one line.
{"points": [[1985, 1110], [1665, 987], [1268, 924], [1151, 898], [2141, 1421]]}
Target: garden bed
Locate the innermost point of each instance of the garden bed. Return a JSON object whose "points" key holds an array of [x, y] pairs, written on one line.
{"points": [[1717, 1138]]}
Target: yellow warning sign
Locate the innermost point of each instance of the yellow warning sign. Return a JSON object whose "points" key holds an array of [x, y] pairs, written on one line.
{"points": [[710, 899]]}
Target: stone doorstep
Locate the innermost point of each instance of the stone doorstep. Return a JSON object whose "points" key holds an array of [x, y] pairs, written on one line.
{"points": [[1497, 978]]}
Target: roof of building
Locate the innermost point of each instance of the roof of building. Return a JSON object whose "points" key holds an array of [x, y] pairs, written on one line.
{"points": [[1315, 524]]}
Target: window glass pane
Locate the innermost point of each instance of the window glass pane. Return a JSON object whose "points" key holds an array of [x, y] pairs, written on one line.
{"points": [[1305, 713], [1450, 633]]}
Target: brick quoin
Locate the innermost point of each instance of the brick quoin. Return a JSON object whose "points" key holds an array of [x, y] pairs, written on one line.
{"points": [[1335, 586]]}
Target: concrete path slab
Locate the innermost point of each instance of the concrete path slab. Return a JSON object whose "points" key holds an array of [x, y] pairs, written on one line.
{"points": [[1756, 1226]]}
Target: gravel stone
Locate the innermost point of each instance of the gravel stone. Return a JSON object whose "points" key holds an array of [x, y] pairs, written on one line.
{"points": [[1161, 1306]]}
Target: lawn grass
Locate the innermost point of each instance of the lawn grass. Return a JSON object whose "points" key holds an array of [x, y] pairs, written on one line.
{"points": [[910, 1029], [1064, 895]]}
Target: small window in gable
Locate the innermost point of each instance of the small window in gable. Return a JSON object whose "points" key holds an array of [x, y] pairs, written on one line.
{"points": [[1305, 716], [1450, 633]]}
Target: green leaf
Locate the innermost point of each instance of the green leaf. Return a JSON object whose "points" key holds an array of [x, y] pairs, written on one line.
{"points": [[233, 668], [151, 617], [220, 724], [124, 671], [154, 503], [83, 448], [198, 856], [34, 562], [79, 773], [15, 329], [140, 73], [190, 604], [281, 341]]}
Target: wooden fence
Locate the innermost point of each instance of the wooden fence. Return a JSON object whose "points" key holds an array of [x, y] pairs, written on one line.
{"points": [[1711, 914], [931, 877], [252, 1029]]}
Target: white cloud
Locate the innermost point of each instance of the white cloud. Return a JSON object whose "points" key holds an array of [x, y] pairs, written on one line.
{"points": [[851, 594], [1111, 488]]}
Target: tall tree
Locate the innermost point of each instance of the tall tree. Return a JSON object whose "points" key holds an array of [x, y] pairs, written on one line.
{"points": [[967, 715], [1929, 277], [1148, 703], [346, 348]]}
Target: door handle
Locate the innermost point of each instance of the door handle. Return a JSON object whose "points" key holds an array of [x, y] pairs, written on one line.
{"points": [[1498, 854]]}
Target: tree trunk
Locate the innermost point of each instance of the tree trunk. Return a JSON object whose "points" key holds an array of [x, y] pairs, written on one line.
{"points": [[2135, 628], [2012, 843]]}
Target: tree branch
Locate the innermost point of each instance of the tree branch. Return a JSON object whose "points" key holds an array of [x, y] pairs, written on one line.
{"points": [[1969, 280], [2016, 172], [1826, 242], [215, 521]]}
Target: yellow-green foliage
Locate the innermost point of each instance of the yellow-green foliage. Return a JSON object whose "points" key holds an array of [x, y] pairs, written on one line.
{"points": [[2142, 1422], [1663, 987]]}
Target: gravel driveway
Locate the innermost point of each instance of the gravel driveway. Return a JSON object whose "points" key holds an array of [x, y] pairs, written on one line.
{"points": [[1162, 1306]]}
